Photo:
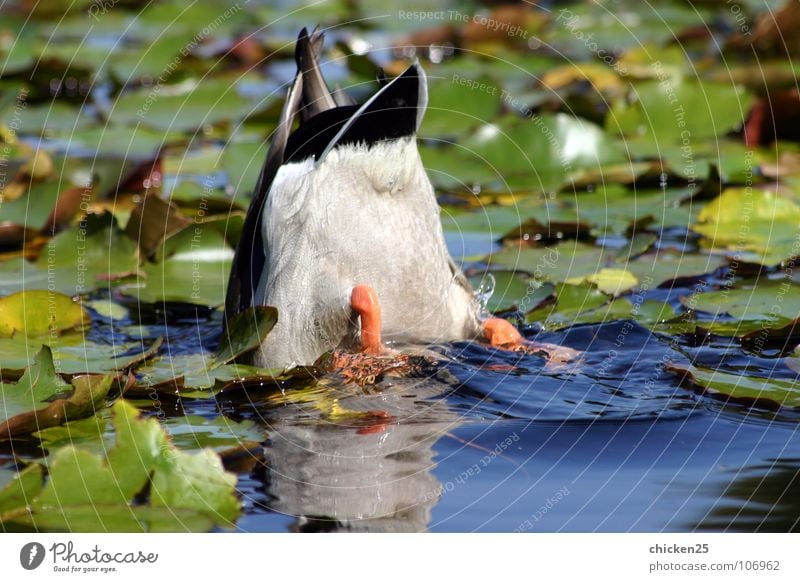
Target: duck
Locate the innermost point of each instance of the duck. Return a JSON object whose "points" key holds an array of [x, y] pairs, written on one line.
{"points": [[343, 233]]}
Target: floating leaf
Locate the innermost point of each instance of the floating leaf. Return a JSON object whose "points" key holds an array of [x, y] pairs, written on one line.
{"points": [[195, 432], [766, 300], [190, 373], [680, 110], [152, 221], [542, 153], [459, 103], [750, 390], [185, 107], [80, 259], [611, 281], [555, 263], [512, 290], [192, 486], [76, 354], [193, 268], [47, 118], [571, 301], [664, 264], [21, 490], [42, 399], [756, 225], [245, 332], [131, 143], [34, 313]]}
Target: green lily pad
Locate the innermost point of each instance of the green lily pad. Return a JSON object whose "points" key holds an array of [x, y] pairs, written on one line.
{"points": [[655, 315], [454, 167], [191, 373], [660, 266], [560, 262], [763, 392], [493, 220], [755, 225], [48, 118], [193, 268], [134, 143], [183, 108], [454, 107], [609, 280], [766, 301], [38, 312], [76, 354], [83, 258], [612, 209], [680, 110], [543, 153], [571, 301], [196, 432], [244, 333], [42, 398], [34, 207], [580, 28], [195, 486], [94, 434], [511, 290]]}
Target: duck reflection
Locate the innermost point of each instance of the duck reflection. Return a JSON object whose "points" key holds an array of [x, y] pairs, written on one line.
{"points": [[350, 461]]}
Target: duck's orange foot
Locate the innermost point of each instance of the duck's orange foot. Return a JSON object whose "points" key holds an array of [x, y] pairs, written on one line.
{"points": [[364, 302], [502, 334]]}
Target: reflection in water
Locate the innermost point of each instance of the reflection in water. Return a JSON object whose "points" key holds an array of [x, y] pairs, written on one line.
{"points": [[340, 459], [765, 499], [343, 478], [637, 451]]}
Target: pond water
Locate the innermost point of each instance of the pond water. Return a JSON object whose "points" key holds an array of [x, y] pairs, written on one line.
{"points": [[490, 440], [667, 262]]}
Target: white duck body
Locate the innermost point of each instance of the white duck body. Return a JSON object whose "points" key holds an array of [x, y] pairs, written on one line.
{"points": [[344, 200], [365, 214]]}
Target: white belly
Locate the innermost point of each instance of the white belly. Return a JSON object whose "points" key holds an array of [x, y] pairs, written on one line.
{"points": [[357, 219]]}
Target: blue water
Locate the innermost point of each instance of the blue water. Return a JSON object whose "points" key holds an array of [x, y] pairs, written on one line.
{"points": [[626, 451]]}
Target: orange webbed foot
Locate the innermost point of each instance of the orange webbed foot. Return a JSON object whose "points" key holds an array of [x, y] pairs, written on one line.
{"points": [[502, 334], [364, 302]]}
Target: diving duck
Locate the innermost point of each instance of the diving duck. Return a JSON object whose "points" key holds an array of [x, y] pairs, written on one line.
{"points": [[343, 234]]}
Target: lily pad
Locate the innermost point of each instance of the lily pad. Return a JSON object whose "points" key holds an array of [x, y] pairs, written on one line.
{"points": [[42, 398], [768, 301], [750, 390], [560, 262], [680, 110], [193, 267], [134, 143], [192, 485], [544, 152], [459, 103], [609, 280], [571, 301], [184, 107], [663, 265], [509, 290], [188, 374], [196, 432], [244, 333], [48, 118], [755, 225], [38, 312], [76, 354], [85, 257]]}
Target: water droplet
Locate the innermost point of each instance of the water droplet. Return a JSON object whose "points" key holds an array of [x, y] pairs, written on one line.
{"points": [[484, 292]]}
